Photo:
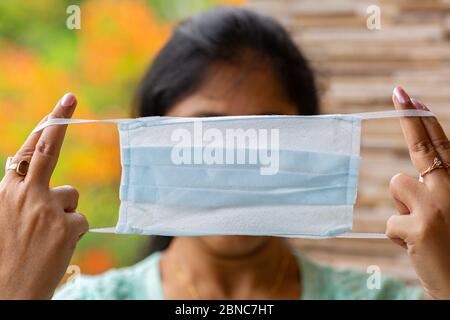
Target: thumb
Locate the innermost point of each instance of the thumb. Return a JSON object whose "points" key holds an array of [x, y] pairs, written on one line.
{"points": [[406, 192]]}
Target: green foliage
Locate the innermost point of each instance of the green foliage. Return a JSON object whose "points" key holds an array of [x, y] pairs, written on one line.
{"points": [[39, 28], [179, 9]]}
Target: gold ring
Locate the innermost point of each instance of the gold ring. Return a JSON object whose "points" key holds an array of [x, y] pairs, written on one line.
{"points": [[437, 164], [21, 167]]}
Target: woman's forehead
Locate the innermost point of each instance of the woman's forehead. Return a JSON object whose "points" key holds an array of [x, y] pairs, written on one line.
{"points": [[233, 90]]}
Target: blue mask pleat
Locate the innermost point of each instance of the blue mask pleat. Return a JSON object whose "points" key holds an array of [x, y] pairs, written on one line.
{"points": [[289, 160], [226, 178], [304, 178], [222, 198]]}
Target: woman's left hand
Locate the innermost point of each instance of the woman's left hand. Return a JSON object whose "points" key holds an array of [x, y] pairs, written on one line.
{"points": [[423, 223]]}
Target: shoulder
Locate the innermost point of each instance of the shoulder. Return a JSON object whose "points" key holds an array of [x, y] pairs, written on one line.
{"points": [[324, 282], [140, 281]]}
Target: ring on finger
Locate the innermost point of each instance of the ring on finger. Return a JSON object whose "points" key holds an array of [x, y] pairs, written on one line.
{"points": [[20, 167], [437, 164]]}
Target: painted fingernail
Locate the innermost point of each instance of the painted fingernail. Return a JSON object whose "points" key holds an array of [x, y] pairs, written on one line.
{"points": [[419, 105], [401, 96], [68, 100]]}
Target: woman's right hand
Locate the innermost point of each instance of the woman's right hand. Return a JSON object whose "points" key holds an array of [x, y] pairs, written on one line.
{"points": [[422, 226], [39, 227]]}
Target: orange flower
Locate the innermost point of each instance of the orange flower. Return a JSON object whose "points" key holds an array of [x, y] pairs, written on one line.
{"points": [[231, 2], [95, 261], [117, 38]]}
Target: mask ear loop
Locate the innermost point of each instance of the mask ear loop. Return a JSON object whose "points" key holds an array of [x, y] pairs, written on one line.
{"points": [[349, 235], [62, 121], [352, 235], [383, 115], [103, 230], [392, 114], [363, 116]]}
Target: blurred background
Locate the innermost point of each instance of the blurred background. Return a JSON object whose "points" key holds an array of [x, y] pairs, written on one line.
{"points": [[357, 68], [41, 59]]}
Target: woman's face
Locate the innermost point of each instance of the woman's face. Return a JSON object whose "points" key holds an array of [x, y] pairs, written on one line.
{"points": [[250, 88]]}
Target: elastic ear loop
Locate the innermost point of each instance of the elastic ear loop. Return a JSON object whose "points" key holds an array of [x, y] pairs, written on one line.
{"points": [[382, 115], [349, 235], [362, 116]]}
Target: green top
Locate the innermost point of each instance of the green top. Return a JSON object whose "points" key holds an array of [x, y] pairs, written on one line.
{"points": [[143, 281]]}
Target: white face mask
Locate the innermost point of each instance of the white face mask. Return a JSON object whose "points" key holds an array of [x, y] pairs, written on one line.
{"points": [[293, 176]]}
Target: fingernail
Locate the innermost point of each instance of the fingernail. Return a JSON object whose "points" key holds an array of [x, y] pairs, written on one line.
{"points": [[68, 100], [419, 105], [401, 96]]}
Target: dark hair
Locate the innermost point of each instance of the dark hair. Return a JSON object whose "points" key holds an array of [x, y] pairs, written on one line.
{"points": [[221, 35]]}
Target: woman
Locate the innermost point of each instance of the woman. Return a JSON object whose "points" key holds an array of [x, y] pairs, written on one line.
{"points": [[223, 62]]}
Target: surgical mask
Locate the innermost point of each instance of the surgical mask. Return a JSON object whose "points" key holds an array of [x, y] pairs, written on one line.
{"points": [[290, 176]]}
